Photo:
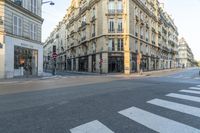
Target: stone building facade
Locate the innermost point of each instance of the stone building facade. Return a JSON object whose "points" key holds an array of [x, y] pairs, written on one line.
{"points": [[186, 57], [21, 53], [117, 36]]}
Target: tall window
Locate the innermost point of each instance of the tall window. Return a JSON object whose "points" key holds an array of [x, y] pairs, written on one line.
{"points": [[33, 31], [111, 25], [120, 27], [111, 45], [93, 12], [136, 45], [120, 45], [33, 6], [120, 6], [147, 35], [111, 6], [136, 30], [141, 32], [17, 25], [93, 29]]}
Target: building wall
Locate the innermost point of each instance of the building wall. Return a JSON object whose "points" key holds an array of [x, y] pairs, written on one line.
{"points": [[27, 20]]}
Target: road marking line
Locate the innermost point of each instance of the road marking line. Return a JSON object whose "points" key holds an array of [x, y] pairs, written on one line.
{"points": [[156, 122], [194, 88], [176, 106], [91, 127], [190, 91], [185, 97]]}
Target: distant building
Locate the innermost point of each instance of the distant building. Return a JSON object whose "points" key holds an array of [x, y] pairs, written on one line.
{"points": [[57, 41], [111, 36], [21, 51], [186, 57]]}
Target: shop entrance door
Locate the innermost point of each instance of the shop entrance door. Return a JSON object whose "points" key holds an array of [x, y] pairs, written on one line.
{"points": [[116, 64]]}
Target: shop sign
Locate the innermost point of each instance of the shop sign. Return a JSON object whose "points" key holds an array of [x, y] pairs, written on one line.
{"points": [[116, 54], [26, 45], [1, 46]]}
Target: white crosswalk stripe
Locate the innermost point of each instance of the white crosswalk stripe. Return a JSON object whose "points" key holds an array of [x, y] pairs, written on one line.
{"points": [[156, 122], [153, 121], [184, 97], [176, 106], [91, 127], [194, 88], [190, 91]]}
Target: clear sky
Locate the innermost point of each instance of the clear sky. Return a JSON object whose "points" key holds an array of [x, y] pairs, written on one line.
{"points": [[52, 15], [186, 14]]}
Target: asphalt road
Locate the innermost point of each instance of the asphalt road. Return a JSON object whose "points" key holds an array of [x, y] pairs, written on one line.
{"points": [[166, 104]]}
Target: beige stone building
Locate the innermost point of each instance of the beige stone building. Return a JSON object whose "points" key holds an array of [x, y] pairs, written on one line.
{"points": [[117, 36], [186, 57], [21, 51]]}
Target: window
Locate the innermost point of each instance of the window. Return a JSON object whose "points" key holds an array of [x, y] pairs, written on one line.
{"points": [[136, 30], [33, 6], [17, 25], [94, 47], [111, 45], [141, 32], [24, 2], [93, 12], [93, 29], [136, 45], [147, 35], [111, 6], [33, 31], [111, 25], [84, 18], [120, 45], [120, 6], [120, 28]]}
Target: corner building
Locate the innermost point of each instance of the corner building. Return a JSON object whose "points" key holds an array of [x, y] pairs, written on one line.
{"points": [[111, 36], [21, 51]]}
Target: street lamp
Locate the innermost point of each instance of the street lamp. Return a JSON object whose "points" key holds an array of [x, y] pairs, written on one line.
{"points": [[50, 2]]}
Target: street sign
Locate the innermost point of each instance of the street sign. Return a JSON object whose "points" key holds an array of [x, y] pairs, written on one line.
{"points": [[54, 55]]}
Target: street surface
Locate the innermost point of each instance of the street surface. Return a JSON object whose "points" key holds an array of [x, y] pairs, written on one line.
{"points": [[102, 104]]}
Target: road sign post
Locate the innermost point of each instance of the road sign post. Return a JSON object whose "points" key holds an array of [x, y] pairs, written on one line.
{"points": [[54, 56]]}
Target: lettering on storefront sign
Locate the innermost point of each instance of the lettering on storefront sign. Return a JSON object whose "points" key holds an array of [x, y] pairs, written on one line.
{"points": [[26, 45], [116, 54], [1, 45]]}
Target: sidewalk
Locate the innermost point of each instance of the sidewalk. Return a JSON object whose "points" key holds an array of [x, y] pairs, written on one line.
{"points": [[156, 73], [47, 75]]}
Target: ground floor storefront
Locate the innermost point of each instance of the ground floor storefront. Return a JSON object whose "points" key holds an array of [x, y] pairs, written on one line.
{"points": [[113, 62], [21, 58]]}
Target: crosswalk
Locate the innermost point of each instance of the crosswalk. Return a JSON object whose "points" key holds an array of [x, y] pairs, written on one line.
{"points": [[151, 120]]}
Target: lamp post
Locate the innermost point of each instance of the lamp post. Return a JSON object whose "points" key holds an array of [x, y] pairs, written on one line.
{"points": [[50, 2]]}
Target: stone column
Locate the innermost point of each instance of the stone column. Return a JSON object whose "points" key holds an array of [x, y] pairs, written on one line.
{"points": [[90, 63]]}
